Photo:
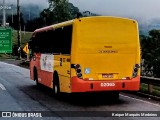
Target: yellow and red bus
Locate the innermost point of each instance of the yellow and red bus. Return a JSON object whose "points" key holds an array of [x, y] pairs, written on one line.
{"points": [[90, 54]]}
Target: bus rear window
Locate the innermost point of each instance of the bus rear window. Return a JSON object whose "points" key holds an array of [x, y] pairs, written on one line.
{"points": [[54, 41]]}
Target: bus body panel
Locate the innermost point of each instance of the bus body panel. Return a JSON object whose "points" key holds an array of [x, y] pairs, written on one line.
{"points": [[62, 66], [106, 46], [79, 85], [46, 78]]}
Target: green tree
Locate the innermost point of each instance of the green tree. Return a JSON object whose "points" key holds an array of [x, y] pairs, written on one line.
{"points": [[59, 10], [15, 21], [34, 24], [73, 10], [151, 51]]}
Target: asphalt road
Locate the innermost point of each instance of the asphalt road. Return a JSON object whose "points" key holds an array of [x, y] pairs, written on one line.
{"points": [[19, 93]]}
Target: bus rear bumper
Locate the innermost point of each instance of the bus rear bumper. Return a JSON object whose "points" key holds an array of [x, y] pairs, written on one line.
{"points": [[80, 85]]}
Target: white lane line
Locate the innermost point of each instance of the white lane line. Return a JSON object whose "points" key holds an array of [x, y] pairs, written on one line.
{"points": [[13, 65], [2, 87], [141, 100]]}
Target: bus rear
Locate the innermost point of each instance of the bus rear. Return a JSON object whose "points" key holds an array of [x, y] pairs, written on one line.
{"points": [[105, 55]]}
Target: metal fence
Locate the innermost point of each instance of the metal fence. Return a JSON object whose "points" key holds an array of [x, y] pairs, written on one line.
{"points": [[150, 81]]}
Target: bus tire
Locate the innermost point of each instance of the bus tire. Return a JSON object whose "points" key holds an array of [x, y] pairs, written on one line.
{"points": [[56, 87], [36, 76]]}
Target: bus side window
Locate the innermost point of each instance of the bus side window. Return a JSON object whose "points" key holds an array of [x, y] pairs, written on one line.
{"points": [[67, 39], [54, 41], [36, 43], [49, 41]]}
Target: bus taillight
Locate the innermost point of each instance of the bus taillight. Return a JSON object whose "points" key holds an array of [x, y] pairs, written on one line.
{"points": [[78, 71], [135, 70]]}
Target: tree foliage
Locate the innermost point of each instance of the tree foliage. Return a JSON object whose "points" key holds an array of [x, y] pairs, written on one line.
{"points": [[14, 23], [34, 24], [151, 51], [58, 11]]}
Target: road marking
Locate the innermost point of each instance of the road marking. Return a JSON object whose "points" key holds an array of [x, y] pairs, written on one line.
{"points": [[2, 87], [141, 100]]}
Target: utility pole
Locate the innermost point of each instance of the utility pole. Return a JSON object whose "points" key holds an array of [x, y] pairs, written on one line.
{"points": [[29, 14], [18, 30], [12, 14], [4, 14]]}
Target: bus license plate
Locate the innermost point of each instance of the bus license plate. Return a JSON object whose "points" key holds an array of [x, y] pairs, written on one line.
{"points": [[107, 75]]}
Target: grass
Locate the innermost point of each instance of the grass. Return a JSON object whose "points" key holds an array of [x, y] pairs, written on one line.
{"points": [[25, 36], [156, 89], [7, 56]]}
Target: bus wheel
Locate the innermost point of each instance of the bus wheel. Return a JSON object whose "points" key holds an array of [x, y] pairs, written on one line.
{"points": [[36, 77], [56, 88]]}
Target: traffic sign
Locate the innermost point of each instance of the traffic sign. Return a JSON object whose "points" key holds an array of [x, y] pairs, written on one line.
{"points": [[25, 49], [5, 40]]}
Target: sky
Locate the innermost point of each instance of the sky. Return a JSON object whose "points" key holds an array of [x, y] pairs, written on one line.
{"points": [[41, 3], [144, 10]]}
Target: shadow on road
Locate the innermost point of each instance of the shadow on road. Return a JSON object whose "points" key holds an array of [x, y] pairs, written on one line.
{"points": [[81, 99], [90, 99]]}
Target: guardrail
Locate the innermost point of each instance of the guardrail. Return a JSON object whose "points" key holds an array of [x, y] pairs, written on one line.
{"points": [[150, 81]]}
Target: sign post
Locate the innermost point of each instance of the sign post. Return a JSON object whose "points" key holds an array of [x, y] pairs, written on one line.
{"points": [[5, 40], [26, 50]]}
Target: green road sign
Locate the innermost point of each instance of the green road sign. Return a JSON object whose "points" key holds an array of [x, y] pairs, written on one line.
{"points": [[5, 40]]}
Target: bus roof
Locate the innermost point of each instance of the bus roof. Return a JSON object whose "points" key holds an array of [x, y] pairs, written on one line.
{"points": [[58, 25], [51, 27]]}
